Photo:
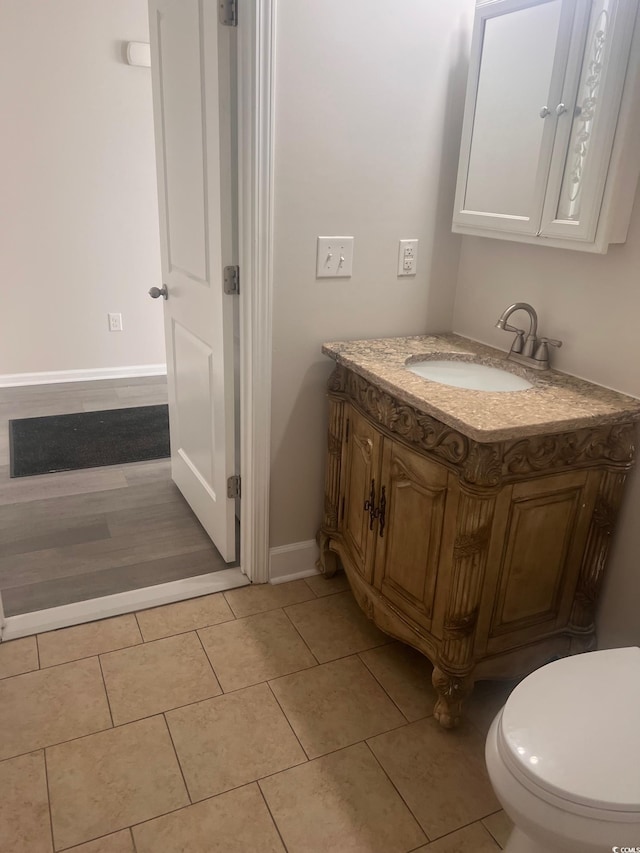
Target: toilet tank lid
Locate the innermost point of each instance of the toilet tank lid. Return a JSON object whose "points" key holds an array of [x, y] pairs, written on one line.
{"points": [[573, 728]]}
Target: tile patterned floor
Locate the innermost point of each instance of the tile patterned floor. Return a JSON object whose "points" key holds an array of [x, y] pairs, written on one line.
{"points": [[262, 720]]}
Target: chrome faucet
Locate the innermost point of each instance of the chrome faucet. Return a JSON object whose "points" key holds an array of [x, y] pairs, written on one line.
{"points": [[530, 350]]}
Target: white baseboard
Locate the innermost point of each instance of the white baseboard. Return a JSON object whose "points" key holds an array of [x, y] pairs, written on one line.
{"points": [[122, 602], [292, 562], [50, 377]]}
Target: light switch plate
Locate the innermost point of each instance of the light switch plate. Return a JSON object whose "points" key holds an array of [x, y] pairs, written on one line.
{"points": [[408, 257], [335, 257]]}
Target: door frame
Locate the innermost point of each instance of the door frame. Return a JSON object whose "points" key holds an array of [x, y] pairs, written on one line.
{"points": [[256, 98], [255, 105]]}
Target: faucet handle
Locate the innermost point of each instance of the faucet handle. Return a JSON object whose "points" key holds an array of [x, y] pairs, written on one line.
{"points": [[551, 341], [542, 352], [518, 342]]}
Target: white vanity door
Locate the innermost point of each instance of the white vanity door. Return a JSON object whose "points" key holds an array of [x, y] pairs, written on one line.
{"points": [[519, 58], [586, 129]]}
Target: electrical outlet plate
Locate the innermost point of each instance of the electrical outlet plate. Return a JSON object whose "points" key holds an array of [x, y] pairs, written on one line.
{"points": [[115, 322], [408, 257], [335, 257]]}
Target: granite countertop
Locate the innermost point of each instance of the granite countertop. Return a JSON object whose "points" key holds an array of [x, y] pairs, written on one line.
{"points": [[556, 403]]}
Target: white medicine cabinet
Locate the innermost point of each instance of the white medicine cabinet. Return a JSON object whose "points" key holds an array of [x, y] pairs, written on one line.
{"points": [[550, 150]]}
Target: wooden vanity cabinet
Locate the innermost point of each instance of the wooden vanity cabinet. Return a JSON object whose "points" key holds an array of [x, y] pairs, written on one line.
{"points": [[488, 558]]}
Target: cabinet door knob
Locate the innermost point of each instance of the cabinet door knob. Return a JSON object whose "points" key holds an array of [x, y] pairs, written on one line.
{"points": [[544, 112], [560, 109]]}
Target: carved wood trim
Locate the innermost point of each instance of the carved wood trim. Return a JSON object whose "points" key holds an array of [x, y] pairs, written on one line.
{"points": [[609, 443], [488, 465], [596, 551], [334, 464], [475, 516], [452, 690], [337, 380], [484, 465], [415, 427], [467, 544], [459, 627]]}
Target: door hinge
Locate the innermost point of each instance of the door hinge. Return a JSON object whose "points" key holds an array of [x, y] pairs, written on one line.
{"points": [[346, 437], [228, 12], [233, 486], [232, 280]]}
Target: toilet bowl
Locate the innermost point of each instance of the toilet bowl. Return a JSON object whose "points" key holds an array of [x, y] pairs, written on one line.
{"points": [[563, 756]]}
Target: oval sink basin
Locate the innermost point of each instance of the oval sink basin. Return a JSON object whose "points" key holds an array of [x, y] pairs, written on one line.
{"points": [[468, 374]]}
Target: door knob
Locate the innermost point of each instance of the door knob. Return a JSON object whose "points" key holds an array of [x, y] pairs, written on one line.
{"points": [[544, 112], [560, 109], [155, 292]]}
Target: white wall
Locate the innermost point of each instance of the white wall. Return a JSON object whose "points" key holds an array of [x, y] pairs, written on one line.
{"points": [[368, 113], [592, 303], [78, 215]]}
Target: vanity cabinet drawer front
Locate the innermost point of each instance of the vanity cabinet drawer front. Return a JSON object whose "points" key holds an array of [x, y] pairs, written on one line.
{"points": [[540, 531], [361, 478], [410, 542]]}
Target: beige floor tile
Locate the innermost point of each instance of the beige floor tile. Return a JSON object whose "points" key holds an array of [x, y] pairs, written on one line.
{"points": [[158, 676], [183, 616], [342, 803], [334, 627], [108, 781], [500, 826], [52, 705], [440, 774], [235, 822], [24, 805], [232, 740], [83, 641], [485, 702], [248, 651], [18, 656], [322, 585], [471, 839], [250, 600], [334, 705], [119, 842], [406, 676]]}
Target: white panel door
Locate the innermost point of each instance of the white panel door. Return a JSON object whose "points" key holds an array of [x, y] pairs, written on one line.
{"points": [[191, 92]]}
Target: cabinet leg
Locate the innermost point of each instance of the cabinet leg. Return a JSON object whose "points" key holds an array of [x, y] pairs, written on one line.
{"points": [[452, 691], [328, 561], [583, 643]]}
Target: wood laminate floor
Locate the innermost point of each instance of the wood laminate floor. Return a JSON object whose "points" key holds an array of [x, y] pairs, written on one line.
{"points": [[81, 534]]}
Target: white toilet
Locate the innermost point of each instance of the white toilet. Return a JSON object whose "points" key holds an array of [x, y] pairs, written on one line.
{"points": [[564, 756]]}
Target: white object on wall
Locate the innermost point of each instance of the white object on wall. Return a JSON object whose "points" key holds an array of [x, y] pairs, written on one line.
{"points": [[139, 53], [292, 562], [53, 377], [548, 145], [335, 257], [408, 257]]}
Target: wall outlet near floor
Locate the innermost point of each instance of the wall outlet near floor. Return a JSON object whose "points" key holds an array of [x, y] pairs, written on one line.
{"points": [[335, 257], [115, 322], [408, 257]]}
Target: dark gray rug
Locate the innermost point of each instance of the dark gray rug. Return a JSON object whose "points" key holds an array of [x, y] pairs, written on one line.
{"points": [[88, 440]]}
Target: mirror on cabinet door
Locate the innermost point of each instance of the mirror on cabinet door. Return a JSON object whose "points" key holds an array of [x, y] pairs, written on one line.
{"points": [[552, 108], [511, 142]]}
